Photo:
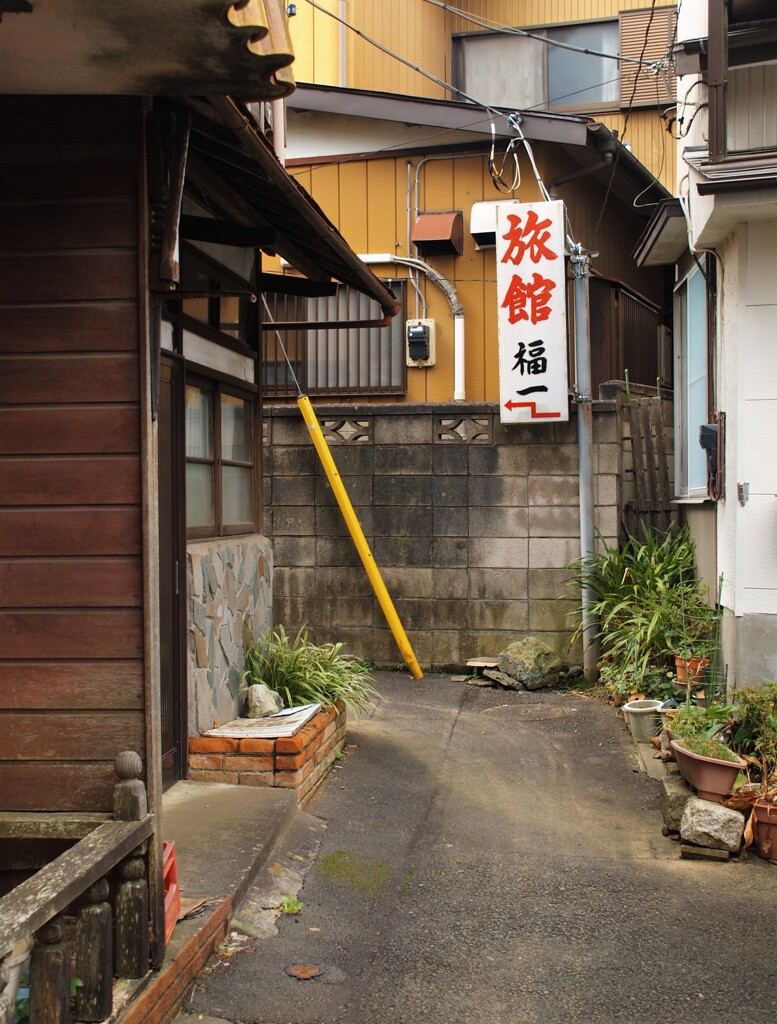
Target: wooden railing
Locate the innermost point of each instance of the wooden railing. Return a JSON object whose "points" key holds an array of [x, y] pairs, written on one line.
{"points": [[67, 906]]}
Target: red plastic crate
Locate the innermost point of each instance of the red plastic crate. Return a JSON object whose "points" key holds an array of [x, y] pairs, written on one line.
{"points": [[171, 888]]}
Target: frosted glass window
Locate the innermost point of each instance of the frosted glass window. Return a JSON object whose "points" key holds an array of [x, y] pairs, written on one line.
{"points": [[526, 73], [199, 435], [505, 71], [696, 381], [235, 429], [237, 506], [199, 494], [582, 79], [691, 401]]}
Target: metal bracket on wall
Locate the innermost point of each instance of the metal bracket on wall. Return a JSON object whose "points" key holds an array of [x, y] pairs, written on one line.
{"points": [[743, 493]]}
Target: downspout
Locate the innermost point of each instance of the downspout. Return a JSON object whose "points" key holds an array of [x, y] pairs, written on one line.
{"points": [[459, 348], [342, 55], [605, 144], [279, 130]]}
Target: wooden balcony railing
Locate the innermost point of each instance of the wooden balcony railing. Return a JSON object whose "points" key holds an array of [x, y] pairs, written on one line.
{"points": [[92, 900]]}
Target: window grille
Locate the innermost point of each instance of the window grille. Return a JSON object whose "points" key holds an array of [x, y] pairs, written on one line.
{"points": [[342, 361]]}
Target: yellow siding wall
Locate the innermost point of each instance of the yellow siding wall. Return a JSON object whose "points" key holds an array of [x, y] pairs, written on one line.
{"points": [[421, 33], [316, 39], [367, 200]]}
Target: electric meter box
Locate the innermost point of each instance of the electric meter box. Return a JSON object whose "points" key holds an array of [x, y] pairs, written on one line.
{"points": [[420, 342]]}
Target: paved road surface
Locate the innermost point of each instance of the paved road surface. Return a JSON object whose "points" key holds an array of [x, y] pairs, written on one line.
{"points": [[489, 856]]}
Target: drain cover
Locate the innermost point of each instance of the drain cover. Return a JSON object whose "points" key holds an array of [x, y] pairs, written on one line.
{"points": [[304, 972], [527, 712]]}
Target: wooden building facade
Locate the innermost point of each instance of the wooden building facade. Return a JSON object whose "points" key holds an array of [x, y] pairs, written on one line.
{"points": [[131, 228]]}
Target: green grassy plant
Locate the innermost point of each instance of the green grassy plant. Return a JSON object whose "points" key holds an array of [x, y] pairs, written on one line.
{"points": [[705, 747], [647, 603], [307, 673], [290, 905]]}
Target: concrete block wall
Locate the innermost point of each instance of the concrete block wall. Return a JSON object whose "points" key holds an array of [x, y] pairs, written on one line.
{"points": [[471, 523]]}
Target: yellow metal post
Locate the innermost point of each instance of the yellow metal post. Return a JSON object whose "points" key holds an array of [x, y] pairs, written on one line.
{"points": [[354, 527]]}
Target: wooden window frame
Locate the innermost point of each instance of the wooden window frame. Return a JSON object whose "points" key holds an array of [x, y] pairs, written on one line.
{"points": [[216, 388]]}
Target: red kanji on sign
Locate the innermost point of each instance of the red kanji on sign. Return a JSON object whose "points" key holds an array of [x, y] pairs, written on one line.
{"points": [[532, 237], [528, 300]]}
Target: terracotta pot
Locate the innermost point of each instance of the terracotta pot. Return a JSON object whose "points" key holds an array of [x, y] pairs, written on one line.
{"points": [[690, 669], [766, 830], [712, 778]]}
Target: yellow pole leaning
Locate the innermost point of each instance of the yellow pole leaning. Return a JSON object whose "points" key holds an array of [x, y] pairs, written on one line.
{"points": [[387, 605]]}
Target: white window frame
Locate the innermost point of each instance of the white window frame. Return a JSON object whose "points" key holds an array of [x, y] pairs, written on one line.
{"points": [[691, 383]]}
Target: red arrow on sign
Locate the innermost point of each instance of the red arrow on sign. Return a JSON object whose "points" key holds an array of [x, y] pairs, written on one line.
{"points": [[533, 407]]}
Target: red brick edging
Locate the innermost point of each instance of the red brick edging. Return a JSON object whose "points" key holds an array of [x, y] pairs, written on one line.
{"points": [[293, 762]]}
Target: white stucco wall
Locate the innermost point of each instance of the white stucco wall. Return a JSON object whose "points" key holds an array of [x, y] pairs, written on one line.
{"points": [[756, 343], [741, 229]]}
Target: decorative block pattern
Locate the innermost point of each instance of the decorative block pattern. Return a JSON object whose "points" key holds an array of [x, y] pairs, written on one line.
{"points": [[297, 762], [470, 522]]}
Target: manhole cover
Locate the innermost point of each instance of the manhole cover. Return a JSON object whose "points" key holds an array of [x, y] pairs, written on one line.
{"points": [[304, 972], [527, 712]]}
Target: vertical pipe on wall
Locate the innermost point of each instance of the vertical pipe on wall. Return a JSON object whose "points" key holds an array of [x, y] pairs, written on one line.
{"points": [[581, 272], [279, 130], [342, 57]]}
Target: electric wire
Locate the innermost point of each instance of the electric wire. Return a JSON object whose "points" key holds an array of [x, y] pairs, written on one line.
{"points": [[283, 347], [507, 30], [512, 119], [408, 63], [497, 178], [629, 109]]}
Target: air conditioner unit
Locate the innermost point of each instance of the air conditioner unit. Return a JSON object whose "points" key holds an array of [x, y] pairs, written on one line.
{"points": [[482, 224]]}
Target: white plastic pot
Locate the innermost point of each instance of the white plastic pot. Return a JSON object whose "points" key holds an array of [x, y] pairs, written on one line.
{"points": [[643, 718], [13, 964]]}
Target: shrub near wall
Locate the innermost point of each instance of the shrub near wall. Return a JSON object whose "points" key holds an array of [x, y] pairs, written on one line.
{"points": [[471, 524]]}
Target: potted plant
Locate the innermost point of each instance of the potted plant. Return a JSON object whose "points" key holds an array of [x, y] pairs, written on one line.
{"points": [[755, 736], [693, 633], [704, 760], [707, 765], [647, 601]]}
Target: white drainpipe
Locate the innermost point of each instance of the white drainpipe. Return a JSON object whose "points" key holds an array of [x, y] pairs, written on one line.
{"points": [[279, 130], [459, 348]]}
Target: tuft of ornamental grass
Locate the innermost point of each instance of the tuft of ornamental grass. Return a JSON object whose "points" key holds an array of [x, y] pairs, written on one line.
{"points": [[307, 673], [705, 747]]}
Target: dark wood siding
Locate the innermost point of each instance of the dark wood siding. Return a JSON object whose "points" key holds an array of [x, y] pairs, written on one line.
{"points": [[71, 605]]}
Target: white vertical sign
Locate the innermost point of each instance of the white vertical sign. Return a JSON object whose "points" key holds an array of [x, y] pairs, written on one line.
{"points": [[532, 312]]}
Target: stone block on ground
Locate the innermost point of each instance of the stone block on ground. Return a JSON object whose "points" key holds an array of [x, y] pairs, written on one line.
{"points": [[675, 794], [704, 823], [262, 701], [532, 663]]}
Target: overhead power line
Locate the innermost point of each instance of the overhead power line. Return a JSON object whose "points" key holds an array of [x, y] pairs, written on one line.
{"points": [[496, 27]]}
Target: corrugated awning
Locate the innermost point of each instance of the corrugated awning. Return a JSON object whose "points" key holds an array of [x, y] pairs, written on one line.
{"points": [[231, 162]]}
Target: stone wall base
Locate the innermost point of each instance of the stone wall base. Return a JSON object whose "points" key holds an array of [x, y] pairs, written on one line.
{"points": [[298, 762]]}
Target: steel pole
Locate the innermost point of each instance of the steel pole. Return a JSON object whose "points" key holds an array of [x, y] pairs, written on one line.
{"points": [[581, 271], [357, 535]]}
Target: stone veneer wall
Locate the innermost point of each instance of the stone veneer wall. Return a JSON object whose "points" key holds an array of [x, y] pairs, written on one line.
{"points": [[229, 588], [471, 524]]}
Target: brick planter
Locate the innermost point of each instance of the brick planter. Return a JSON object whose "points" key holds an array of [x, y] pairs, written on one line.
{"points": [[297, 762]]}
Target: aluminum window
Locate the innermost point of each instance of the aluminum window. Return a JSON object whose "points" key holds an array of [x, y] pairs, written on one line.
{"points": [[344, 361]]}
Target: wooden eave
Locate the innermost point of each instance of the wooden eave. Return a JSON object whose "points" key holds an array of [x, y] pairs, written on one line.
{"points": [[232, 170], [179, 47]]}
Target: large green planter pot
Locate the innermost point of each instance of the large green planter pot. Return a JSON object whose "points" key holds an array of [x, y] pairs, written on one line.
{"points": [[712, 778], [643, 719]]}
